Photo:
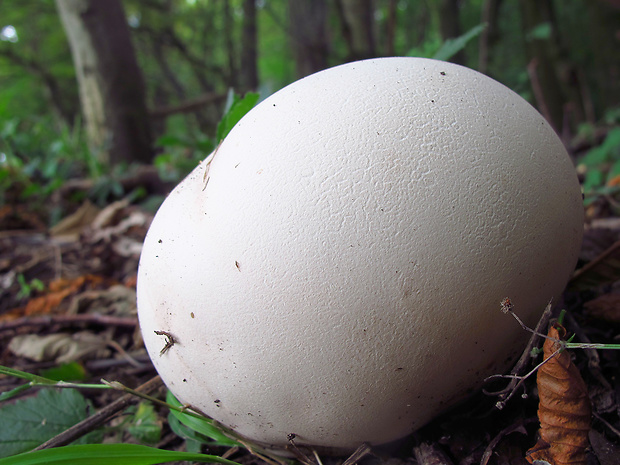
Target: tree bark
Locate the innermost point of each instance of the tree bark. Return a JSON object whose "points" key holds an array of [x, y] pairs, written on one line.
{"points": [[490, 35], [309, 38], [604, 28], [111, 87], [357, 27], [450, 25], [249, 68], [231, 53], [390, 33], [543, 55]]}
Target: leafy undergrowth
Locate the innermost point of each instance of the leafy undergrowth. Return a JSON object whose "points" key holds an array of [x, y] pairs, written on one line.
{"points": [[67, 312]]}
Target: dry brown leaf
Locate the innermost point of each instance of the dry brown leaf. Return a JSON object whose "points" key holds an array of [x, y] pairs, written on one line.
{"points": [[72, 226], [58, 292], [59, 347], [604, 269], [605, 307], [564, 407]]}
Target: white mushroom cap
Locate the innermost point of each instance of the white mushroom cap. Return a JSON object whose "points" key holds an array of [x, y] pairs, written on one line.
{"points": [[336, 271]]}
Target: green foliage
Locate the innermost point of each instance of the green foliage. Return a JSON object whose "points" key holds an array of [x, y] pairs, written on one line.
{"points": [[182, 153], [108, 454], [204, 427], [145, 425], [30, 422], [236, 108], [26, 289], [38, 155], [453, 46], [73, 371], [543, 31], [601, 165]]}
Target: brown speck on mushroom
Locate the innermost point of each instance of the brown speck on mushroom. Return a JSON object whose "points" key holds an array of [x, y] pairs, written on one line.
{"points": [[237, 265]]}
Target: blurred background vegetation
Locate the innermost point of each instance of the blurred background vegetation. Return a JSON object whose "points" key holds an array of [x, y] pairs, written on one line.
{"points": [[104, 99]]}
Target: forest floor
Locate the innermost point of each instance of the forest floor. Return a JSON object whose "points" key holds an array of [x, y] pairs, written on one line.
{"points": [[67, 297]]}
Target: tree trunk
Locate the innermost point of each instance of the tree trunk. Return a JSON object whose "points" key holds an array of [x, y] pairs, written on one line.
{"points": [[543, 55], [309, 38], [111, 88], [450, 25], [390, 34], [249, 68], [604, 27], [490, 35], [357, 27], [229, 41]]}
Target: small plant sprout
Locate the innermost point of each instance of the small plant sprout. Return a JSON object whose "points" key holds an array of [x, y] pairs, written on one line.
{"points": [[338, 278], [531, 350]]}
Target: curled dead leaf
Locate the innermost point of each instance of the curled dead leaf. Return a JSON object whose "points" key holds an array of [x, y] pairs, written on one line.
{"points": [[605, 307], [564, 409]]}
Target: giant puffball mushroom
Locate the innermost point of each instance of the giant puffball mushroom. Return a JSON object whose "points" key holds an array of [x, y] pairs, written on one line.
{"points": [[335, 269]]}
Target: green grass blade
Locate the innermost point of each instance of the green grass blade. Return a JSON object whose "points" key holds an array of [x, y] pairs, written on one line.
{"points": [[106, 454], [453, 46], [201, 425], [13, 392], [25, 375]]}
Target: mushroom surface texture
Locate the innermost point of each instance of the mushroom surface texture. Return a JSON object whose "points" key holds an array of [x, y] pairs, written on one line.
{"points": [[335, 269]]}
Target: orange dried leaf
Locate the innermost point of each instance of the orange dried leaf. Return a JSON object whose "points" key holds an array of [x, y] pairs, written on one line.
{"points": [[605, 307], [564, 407]]}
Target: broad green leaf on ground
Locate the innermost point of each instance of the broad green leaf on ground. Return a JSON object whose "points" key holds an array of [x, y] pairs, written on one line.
{"points": [[108, 454], [237, 107], [145, 425], [193, 440], [202, 425], [30, 422], [453, 46], [72, 371]]}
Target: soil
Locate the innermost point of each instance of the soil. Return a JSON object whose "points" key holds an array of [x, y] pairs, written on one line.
{"points": [[79, 278]]}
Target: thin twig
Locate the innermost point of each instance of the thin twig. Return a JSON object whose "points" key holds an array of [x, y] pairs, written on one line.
{"points": [[69, 320], [299, 455], [361, 452], [594, 362], [102, 416], [523, 361], [519, 380], [518, 427], [607, 424]]}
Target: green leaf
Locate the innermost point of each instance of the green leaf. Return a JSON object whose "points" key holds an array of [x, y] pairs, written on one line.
{"points": [[193, 440], [145, 426], [612, 140], [73, 371], [13, 392], [30, 422], [453, 46], [593, 179], [238, 107], [25, 375], [108, 454], [541, 31], [170, 140], [203, 425]]}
